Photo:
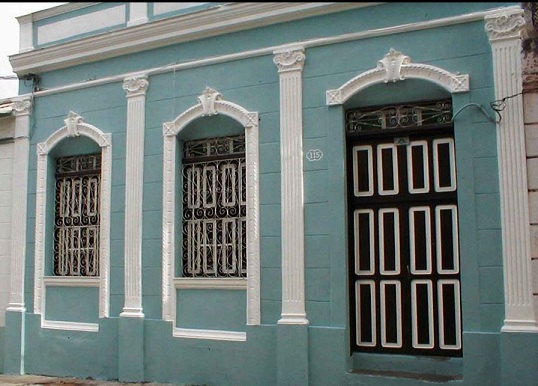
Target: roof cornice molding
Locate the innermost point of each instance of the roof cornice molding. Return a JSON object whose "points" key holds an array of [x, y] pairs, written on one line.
{"points": [[227, 18]]}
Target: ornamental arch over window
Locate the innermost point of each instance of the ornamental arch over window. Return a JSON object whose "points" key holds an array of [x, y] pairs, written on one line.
{"points": [[229, 160], [73, 215]]}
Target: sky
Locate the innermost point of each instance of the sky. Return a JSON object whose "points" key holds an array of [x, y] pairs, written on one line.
{"points": [[9, 45]]}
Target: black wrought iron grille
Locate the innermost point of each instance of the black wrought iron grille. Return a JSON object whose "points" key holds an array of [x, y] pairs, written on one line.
{"points": [[76, 220], [403, 116], [214, 207]]}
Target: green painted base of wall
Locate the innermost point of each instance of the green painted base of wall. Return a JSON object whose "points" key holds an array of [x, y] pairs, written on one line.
{"points": [[2, 348], [292, 351], [481, 358], [66, 353], [519, 358], [14, 343], [131, 349]]}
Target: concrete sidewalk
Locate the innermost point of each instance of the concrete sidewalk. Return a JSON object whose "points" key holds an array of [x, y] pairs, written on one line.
{"points": [[39, 380]]}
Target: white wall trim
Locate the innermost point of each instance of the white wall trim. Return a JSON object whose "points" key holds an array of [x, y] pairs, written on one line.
{"points": [[69, 326], [192, 333], [74, 126], [19, 200], [395, 67], [290, 62], [211, 103], [135, 88], [503, 29]]}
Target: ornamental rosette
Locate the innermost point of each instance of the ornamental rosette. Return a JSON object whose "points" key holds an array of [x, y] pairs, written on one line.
{"points": [[290, 60]]}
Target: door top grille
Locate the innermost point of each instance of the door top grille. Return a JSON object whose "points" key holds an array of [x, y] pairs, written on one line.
{"points": [[405, 116]]}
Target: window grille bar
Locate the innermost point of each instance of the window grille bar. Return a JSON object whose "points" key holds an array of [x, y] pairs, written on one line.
{"points": [[214, 208], [76, 227]]}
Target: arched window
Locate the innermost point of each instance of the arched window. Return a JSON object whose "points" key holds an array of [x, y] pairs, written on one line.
{"points": [[219, 225], [73, 195]]}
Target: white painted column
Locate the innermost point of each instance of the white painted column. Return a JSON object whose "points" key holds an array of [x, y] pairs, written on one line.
{"points": [[135, 87], [290, 66], [503, 29], [21, 150], [138, 14]]}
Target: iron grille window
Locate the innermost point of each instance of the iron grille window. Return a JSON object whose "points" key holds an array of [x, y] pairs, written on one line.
{"points": [[76, 222], [214, 207]]}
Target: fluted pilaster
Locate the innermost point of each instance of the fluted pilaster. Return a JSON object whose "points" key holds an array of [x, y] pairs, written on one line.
{"points": [[503, 30], [21, 149], [290, 65], [135, 88]]}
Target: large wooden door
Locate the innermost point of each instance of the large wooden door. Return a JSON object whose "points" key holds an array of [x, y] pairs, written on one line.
{"points": [[404, 249]]}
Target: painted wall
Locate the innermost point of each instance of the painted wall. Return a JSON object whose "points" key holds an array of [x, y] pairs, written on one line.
{"points": [[253, 83]]}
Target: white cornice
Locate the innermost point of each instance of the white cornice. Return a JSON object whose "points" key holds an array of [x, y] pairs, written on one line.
{"points": [[219, 20]]}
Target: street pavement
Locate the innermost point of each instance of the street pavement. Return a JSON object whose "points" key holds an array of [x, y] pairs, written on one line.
{"points": [[39, 380]]}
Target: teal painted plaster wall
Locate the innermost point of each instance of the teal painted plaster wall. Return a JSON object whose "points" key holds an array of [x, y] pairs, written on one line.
{"points": [[2, 345], [253, 83], [72, 304], [211, 309], [72, 353]]}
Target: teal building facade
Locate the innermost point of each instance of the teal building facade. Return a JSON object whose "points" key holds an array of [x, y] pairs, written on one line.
{"points": [[271, 194]]}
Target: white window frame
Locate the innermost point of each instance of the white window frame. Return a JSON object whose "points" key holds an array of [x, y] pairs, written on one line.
{"points": [[74, 127], [211, 103]]}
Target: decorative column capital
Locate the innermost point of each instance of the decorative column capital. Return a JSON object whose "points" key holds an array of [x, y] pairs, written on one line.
{"points": [[290, 59], [504, 25], [22, 106], [136, 85]]}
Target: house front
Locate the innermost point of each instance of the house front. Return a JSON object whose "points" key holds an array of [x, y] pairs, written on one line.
{"points": [[272, 194]]}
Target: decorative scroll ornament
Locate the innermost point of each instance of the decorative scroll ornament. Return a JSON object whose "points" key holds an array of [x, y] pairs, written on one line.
{"points": [[505, 25], [290, 60], [22, 106], [392, 64], [71, 123], [207, 100], [136, 85]]}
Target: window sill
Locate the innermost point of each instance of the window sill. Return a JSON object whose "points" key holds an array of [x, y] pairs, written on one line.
{"points": [[210, 334], [72, 281], [71, 326], [210, 283]]}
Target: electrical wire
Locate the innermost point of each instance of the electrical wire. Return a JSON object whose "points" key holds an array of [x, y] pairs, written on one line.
{"points": [[500, 104]]}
